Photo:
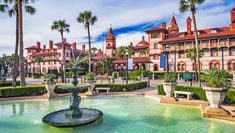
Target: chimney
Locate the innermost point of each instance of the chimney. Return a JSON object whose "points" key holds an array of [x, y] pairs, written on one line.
{"points": [[99, 53], [50, 44], [39, 45], [44, 47], [233, 19], [74, 46], [164, 25], [83, 48], [189, 26]]}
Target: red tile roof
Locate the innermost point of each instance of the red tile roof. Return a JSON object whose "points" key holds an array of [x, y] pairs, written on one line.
{"points": [[206, 33], [142, 44], [135, 60], [156, 29], [32, 47], [45, 53]]}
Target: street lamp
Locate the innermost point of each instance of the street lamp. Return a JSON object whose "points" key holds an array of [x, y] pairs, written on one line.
{"points": [[167, 57], [126, 65]]}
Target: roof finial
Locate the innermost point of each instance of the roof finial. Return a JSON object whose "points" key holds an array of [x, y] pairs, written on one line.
{"points": [[173, 14], [110, 25]]}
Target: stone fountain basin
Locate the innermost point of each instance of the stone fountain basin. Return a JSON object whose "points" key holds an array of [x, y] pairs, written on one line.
{"points": [[57, 118]]}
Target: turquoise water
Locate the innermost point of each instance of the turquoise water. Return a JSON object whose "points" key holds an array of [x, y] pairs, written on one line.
{"points": [[122, 114]]}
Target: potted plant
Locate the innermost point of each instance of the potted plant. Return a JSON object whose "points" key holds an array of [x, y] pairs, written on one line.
{"points": [[169, 84], [217, 85], [90, 80], [49, 83]]}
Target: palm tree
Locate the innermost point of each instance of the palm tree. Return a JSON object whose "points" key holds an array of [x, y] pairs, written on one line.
{"points": [[121, 52], [130, 51], [191, 5], [87, 19], [10, 7], [39, 59], [61, 26], [192, 54], [94, 49]]}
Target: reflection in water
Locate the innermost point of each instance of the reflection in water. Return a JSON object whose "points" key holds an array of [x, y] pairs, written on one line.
{"points": [[122, 114]]}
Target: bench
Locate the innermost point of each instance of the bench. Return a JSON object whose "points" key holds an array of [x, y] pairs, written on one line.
{"points": [[102, 88], [189, 94]]}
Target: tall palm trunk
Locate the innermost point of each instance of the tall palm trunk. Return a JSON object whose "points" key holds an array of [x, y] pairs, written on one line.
{"points": [[63, 57], [197, 47], [21, 43], [14, 74], [89, 39]]}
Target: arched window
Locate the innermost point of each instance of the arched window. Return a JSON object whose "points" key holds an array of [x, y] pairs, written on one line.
{"points": [[214, 65], [155, 67], [181, 66]]}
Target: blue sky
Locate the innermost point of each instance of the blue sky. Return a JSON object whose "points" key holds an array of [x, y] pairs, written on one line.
{"points": [[129, 19]]}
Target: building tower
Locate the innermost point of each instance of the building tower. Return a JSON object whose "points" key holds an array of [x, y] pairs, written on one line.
{"points": [[173, 27], [110, 44], [233, 19]]}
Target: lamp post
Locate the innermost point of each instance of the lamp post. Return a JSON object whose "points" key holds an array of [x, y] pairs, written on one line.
{"points": [[126, 65], [167, 58]]}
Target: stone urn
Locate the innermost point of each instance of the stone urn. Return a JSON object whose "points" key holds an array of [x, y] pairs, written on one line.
{"points": [[215, 96], [91, 85], [50, 87], [169, 88]]}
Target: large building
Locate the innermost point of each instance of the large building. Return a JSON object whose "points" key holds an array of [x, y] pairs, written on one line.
{"points": [[52, 56], [217, 46]]}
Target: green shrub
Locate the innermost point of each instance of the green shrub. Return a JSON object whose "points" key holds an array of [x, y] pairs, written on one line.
{"points": [[22, 91], [170, 77], [198, 92], [124, 87], [8, 83], [230, 97]]}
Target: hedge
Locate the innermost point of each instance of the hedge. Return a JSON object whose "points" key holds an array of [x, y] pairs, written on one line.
{"points": [[8, 83], [22, 91], [124, 87], [199, 93]]}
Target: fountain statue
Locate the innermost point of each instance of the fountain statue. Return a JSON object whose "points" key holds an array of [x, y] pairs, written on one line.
{"points": [[74, 115]]}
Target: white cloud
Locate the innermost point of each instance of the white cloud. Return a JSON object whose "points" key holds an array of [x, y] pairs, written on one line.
{"points": [[118, 13]]}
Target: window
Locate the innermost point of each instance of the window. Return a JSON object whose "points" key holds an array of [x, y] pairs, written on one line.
{"points": [[214, 31], [214, 65], [67, 54], [155, 67], [154, 35], [181, 66], [54, 62], [232, 51], [155, 46], [214, 53], [156, 57], [181, 55]]}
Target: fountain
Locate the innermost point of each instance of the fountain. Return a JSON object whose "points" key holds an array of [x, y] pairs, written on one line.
{"points": [[74, 115]]}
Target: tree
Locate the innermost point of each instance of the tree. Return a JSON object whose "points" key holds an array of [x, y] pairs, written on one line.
{"points": [[109, 66], [39, 59], [94, 49], [61, 26], [186, 5], [10, 7], [121, 52], [192, 54], [87, 19], [130, 51]]}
